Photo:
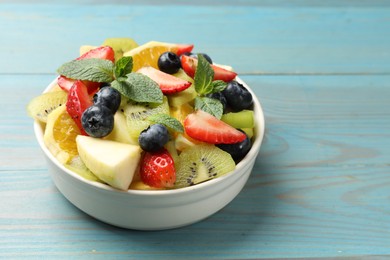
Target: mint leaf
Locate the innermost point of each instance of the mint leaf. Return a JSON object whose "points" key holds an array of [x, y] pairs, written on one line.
{"points": [[209, 105], [139, 88], [97, 70], [123, 67], [204, 75], [168, 121], [218, 85]]}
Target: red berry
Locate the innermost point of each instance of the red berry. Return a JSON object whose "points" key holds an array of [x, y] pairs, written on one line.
{"points": [[158, 169], [189, 66], [204, 127], [168, 84], [78, 100], [183, 48], [103, 52], [66, 83]]}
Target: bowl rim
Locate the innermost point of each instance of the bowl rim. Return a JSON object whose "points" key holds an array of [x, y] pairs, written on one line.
{"points": [[252, 154]]}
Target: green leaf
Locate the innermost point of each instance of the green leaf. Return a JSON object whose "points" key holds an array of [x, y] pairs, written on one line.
{"points": [[218, 85], [168, 121], [123, 67], [209, 105], [97, 70], [139, 88], [204, 75]]}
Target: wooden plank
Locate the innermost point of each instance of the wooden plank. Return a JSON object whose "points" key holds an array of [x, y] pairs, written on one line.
{"points": [[318, 188], [255, 40]]}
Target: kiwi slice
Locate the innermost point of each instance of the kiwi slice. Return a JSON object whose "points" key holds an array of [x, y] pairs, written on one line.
{"points": [[41, 106], [76, 165], [137, 114], [242, 119], [120, 45], [200, 163]]}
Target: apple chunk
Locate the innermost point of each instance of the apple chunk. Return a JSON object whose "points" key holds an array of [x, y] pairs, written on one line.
{"points": [[112, 162]]}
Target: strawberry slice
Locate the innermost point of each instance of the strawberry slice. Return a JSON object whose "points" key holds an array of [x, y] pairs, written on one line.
{"points": [[183, 48], [158, 169], [103, 52], [78, 100], [189, 66], [204, 127], [66, 83], [168, 84]]}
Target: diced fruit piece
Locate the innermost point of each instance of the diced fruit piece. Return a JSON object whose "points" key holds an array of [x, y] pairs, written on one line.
{"points": [[201, 163], [183, 75], [139, 185], [189, 66], [168, 84], [120, 45], [60, 135], [242, 119], [97, 121], [182, 142], [120, 133], [41, 106], [158, 169], [183, 97], [109, 97], [181, 112], [76, 165], [66, 83], [148, 53], [237, 96], [103, 52], [153, 138], [169, 62], [137, 114], [204, 127], [170, 146], [237, 150], [78, 101], [112, 162], [86, 48], [248, 131]]}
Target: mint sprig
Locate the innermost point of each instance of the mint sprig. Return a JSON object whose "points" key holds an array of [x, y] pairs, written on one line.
{"points": [[168, 121], [97, 70], [209, 105], [139, 88], [205, 84], [123, 67]]}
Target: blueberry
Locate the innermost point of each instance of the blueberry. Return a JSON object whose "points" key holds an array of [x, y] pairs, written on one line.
{"points": [[219, 96], [237, 150], [237, 96], [109, 97], [153, 138], [195, 55], [97, 120], [169, 62]]}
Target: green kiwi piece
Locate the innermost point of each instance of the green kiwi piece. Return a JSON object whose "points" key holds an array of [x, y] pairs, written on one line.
{"points": [[137, 114], [120, 45], [201, 163], [76, 165], [40, 106], [182, 97], [242, 119]]}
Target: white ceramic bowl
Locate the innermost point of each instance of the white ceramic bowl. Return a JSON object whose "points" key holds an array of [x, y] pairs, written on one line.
{"points": [[153, 210]]}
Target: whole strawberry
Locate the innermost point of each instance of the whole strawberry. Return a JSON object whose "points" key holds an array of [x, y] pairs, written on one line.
{"points": [[158, 169]]}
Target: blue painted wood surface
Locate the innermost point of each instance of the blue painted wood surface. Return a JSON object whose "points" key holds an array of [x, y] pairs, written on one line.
{"points": [[321, 184]]}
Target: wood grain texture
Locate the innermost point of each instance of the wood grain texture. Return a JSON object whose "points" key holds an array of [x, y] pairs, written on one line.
{"points": [[271, 40], [320, 186]]}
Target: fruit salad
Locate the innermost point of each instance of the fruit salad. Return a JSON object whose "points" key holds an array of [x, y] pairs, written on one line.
{"points": [[152, 116]]}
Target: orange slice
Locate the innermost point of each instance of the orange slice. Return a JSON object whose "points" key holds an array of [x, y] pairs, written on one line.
{"points": [[60, 135], [148, 53]]}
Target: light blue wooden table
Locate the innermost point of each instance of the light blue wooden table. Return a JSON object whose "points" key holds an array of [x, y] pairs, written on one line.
{"points": [[321, 184]]}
